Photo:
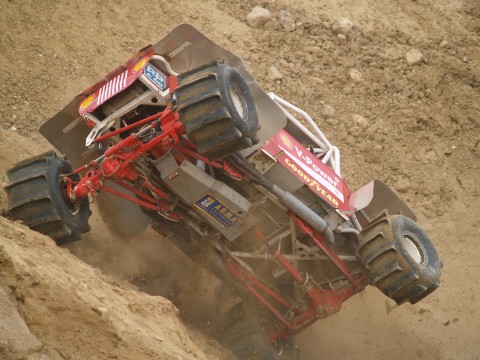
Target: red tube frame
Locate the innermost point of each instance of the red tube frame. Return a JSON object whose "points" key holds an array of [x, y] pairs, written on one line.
{"points": [[322, 303], [117, 164]]}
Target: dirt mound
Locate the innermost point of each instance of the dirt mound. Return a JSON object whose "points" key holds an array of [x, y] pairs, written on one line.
{"points": [[414, 126], [76, 312], [72, 309]]}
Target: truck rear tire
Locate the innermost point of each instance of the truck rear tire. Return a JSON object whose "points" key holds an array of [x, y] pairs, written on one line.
{"points": [[400, 258], [216, 109], [36, 196]]}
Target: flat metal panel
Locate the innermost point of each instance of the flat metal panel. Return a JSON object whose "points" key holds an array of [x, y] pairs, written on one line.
{"points": [[187, 181], [220, 206], [68, 135], [188, 49], [281, 177]]}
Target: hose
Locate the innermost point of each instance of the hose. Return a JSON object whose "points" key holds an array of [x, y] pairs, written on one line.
{"points": [[290, 201]]}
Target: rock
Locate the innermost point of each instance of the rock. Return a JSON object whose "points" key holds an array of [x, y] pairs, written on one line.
{"points": [[354, 131], [258, 16], [402, 184], [360, 121], [443, 44], [342, 39], [413, 57], [355, 75], [342, 26], [331, 121], [324, 18], [286, 20], [327, 111], [14, 333], [101, 311], [327, 25], [13, 128], [353, 35], [390, 306], [274, 73]]}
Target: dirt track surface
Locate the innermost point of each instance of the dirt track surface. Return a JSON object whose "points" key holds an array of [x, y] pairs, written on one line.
{"points": [[422, 136]]}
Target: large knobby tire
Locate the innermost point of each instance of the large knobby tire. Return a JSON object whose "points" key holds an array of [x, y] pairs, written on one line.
{"points": [[216, 109], [243, 335], [36, 196], [400, 259]]}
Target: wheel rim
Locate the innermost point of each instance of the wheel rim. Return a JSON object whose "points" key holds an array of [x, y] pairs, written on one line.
{"points": [[239, 101], [413, 248], [73, 207]]}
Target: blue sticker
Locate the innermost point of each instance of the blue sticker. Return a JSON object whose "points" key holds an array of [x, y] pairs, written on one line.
{"points": [[155, 76], [217, 210]]}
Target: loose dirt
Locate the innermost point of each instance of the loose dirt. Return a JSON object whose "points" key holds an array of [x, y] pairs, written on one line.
{"points": [[420, 133]]}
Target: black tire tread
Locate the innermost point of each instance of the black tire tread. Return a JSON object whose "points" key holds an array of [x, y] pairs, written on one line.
{"points": [[36, 212], [206, 119], [30, 200], [388, 269]]}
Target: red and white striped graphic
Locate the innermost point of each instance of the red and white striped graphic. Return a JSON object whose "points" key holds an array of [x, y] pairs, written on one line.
{"points": [[115, 85], [111, 88]]}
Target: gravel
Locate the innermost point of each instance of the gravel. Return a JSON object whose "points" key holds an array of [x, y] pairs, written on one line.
{"points": [[413, 57], [342, 26], [274, 73], [286, 20], [355, 75], [327, 111], [258, 16], [360, 121]]}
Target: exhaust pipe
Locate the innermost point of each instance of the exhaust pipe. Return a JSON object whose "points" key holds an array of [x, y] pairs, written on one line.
{"points": [[290, 201]]}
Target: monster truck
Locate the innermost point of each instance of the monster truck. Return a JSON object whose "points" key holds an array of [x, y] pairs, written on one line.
{"points": [[182, 137]]}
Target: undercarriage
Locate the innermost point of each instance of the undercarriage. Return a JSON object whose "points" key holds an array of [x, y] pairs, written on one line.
{"points": [[183, 133]]}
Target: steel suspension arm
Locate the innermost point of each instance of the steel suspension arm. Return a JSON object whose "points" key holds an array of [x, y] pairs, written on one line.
{"points": [[292, 203]]}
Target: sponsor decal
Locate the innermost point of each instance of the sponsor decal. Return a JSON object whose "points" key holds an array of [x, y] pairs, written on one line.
{"points": [[140, 65], [215, 209], [155, 76], [286, 141], [87, 101], [114, 86], [314, 170], [309, 169], [310, 181], [173, 175], [111, 88]]}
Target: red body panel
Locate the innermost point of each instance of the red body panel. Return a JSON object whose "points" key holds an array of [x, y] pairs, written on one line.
{"points": [[308, 169], [114, 85]]}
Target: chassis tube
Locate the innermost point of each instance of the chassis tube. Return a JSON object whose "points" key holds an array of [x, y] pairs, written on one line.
{"points": [[303, 212], [292, 203]]}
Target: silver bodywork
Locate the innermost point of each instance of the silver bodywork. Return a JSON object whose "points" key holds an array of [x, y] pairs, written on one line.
{"points": [[184, 48]]}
